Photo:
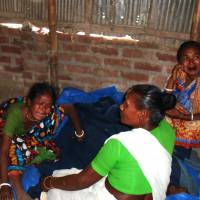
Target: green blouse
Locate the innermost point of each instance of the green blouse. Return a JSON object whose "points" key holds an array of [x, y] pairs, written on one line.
{"points": [[14, 120], [123, 171]]}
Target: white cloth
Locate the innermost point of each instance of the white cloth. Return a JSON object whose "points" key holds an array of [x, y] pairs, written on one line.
{"points": [[94, 192], [152, 158]]}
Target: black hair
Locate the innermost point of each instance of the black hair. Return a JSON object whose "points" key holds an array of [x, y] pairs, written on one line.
{"points": [[186, 45], [153, 99], [41, 88]]}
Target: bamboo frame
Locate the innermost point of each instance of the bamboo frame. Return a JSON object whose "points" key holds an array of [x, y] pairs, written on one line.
{"points": [[88, 14], [53, 43], [195, 30], [88, 27]]}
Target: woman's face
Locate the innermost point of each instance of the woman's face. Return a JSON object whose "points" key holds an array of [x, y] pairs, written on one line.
{"points": [[129, 113], [191, 61], [41, 106]]}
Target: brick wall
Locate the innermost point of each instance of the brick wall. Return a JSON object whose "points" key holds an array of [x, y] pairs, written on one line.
{"points": [[84, 62]]}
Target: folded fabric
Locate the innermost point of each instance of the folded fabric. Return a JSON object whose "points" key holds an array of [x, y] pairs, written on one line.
{"points": [[154, 160]]}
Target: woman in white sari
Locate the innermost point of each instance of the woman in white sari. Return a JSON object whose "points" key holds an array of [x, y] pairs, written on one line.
{"points": [[132, 165]]}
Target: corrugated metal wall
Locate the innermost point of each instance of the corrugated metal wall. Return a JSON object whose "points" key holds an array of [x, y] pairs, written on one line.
{"points": [[35, 9], [172, 15], [163, 15], [71, 11], [121, 12], [11, 6]]}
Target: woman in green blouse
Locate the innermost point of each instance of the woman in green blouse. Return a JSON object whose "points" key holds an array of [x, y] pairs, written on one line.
{"points": [[131, 165]]}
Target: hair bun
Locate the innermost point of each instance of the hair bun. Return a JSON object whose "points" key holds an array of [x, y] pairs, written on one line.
{"points": [[168, 101]]}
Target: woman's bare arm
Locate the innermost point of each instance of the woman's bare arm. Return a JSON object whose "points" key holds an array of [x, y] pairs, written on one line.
{"points": [[6, 191], [6, 141], [72, 113], [84, 179]]}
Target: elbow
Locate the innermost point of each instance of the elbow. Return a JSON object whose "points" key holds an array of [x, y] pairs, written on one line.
{"points": [[83, 183]]}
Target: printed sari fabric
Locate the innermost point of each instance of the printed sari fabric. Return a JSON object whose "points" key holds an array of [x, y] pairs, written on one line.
{"points": [[188, 98], [36, 145]]}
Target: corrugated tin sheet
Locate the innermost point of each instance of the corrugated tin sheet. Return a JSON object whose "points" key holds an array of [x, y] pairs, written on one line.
{"points": [[36, 9], [121, 12], [11, 6], [173, 15], [163, 15], [71, 10]]}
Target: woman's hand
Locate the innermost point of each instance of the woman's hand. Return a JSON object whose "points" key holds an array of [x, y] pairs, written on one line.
{"points": [[72, 113], [176, 114], [45, 183], [80, 136], [6, 193]]}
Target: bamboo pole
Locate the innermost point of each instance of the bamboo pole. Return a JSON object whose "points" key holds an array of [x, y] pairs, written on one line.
{"points": [[88, 14], [53, 43], [195, 30]]}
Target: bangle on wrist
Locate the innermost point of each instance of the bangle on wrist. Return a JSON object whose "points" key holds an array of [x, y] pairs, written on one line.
{"points": [[192, 116], [169, 90], [4, 184], [44, 183], [81, 135]]}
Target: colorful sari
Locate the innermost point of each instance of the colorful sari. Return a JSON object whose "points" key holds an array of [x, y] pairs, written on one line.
{"points": [[188, 97], [36, 145]]}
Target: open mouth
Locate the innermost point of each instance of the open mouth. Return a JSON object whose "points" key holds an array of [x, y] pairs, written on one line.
{"points": [[39, 116], [192, 68]]}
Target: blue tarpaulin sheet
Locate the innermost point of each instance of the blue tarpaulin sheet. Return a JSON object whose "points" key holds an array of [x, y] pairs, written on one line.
{"points": [[99, 115]]}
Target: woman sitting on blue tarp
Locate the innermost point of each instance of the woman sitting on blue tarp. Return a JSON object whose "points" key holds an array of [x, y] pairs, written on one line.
{"points": [[137, 163], [28, 126]]}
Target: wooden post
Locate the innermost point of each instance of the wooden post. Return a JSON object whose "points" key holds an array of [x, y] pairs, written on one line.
{"points": [[195, 30], [53, 43], [88, 14]]}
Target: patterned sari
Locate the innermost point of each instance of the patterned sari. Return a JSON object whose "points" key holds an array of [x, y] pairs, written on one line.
{"points": [[36, 145], [188, 97]]}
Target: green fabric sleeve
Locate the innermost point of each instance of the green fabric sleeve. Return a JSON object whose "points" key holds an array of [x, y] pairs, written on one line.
{"points": [[166, 135], [106, 158], [13, 121], [122, 170]]}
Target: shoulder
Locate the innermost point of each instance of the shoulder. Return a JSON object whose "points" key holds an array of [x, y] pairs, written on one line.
{"points": [[164, 126], [112, 143], [15, 108], [13, 119], [165, 134], [14, 112], [111, 147]]}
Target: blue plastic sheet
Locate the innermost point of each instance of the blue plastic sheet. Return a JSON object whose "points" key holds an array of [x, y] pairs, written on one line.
{"points": [[182, 196], [71, 95], [30, 177]]}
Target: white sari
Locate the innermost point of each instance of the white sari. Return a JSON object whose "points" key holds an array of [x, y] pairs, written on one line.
{"points": [[152, 158]]}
